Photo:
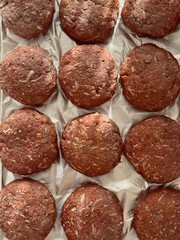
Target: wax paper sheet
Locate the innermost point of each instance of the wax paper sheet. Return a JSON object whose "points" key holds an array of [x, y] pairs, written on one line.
{"points": [[61, 179]]}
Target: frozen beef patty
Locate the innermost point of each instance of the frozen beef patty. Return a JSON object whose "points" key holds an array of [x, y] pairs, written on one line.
{"points": [[89, 20], [28, 142], [27, 18], [92, 212], [157, 215], [150, 77], [28, 75], [27, 210], [92, 144], [153, 148], [88, 75], [151, 18]]}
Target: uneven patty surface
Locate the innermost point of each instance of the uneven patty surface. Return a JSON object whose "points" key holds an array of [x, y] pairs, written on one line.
{"points": [[150, 77], [27, 210], [28, 75], [88, 75], [157, 215], [28, 142], [153, 148], [151, 18], [27, 18], [89, 20], [92, 212], [92, 144]]}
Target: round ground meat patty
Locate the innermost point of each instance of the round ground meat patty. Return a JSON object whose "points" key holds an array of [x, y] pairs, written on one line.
{"points": [[27, 18], [90, 21], [157, 215], [28, 75], [92, 144], [27, 210], [151, 18], [150, 78], [153, 148], [92, 212], [88, 75], [28, 142]]}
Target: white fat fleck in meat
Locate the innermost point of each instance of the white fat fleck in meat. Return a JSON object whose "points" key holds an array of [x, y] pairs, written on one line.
{"points": [[76, 232], [132, 69], [94, 230], [155, 59], [144, 14], [113, 214], [98, 200], [73, 209], [82, 198], [136, 145], [30, 74], [30, 157], [138, 2], [8, 130], [161, 197], [160, 157], [131, 91], [165, 145]]}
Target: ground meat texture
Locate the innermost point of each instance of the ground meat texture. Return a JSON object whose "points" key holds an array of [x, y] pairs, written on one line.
{"points": [[27, 18], [92, 212], [27, 210], [92, 144], [151, 18], [153, 148], [90, 21], [150, 77], [28, 75], [88, 75], [28, 142], [157, 215]]}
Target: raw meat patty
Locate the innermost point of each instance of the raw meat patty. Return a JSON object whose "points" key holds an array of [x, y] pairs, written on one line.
{"points": [[92, 144], [27, 210], [28, 142], [157, 215], [89, 21], [150, 78], [151, 18], [88, 75], [92, 212], [27, 18], [153, 148], [28, 75]]}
